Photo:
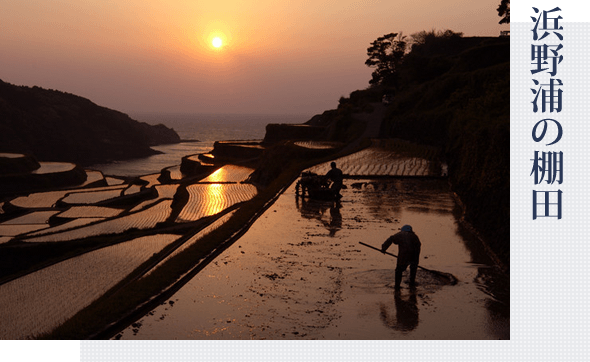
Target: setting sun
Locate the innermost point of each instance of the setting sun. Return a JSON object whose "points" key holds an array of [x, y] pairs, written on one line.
{"points": [[217, 42]]}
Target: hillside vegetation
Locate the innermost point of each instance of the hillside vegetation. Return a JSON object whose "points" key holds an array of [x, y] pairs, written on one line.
{"points": [[57, 126], [460, 103]]}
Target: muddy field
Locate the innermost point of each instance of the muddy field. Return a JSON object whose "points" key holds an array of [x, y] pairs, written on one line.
{"points": [[300, 273]]}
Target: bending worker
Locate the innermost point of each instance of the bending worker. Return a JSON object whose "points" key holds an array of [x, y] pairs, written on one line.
{"points": [[409, 253]]}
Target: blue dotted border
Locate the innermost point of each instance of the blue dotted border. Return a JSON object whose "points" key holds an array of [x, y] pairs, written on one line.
{"points": [[549, 259]]}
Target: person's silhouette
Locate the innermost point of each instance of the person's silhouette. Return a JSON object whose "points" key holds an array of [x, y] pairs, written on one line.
{"points": [[336, 176], [409, 253]]}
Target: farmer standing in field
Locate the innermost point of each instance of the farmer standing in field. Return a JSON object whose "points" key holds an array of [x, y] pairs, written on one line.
{"points": [[336, 176], [409, 253]]}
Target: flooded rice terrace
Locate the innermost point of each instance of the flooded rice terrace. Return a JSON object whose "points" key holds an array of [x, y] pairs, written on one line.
{"points": [[300, 273], [36, 303]]}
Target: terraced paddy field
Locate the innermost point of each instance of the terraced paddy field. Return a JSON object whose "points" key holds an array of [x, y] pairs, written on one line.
{"points": [[92, 197], [133, 189], [164, 192], [53, 167], [142, 220], [209, 199], [195, 239], [38, 217], [67, 226], [11, 155], [27, 223], [39, 200], [229, 173], [175, 173], [75, 212], [50, 198], [75, 216], [91, 220], [299, 272], [318, 145], [94, 177], [14, 230], [151, 180], [376, 161], [113, 181], [39, 302]]}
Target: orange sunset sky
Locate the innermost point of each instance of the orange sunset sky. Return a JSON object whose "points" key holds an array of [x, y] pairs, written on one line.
{"points": [[283, 57]]}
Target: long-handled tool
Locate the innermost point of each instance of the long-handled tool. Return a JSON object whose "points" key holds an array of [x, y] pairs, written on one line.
{"points": [[447, 276]]}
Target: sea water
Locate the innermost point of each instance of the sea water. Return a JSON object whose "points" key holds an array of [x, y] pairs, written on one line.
{"points": [[198, 132]]}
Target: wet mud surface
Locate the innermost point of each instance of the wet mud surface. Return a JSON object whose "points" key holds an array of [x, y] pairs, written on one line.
{"points": [[300, 273]]}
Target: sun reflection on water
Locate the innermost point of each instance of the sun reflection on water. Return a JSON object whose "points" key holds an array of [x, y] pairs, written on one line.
{"points": [[218, 176], [215, 196], [209, 199]]}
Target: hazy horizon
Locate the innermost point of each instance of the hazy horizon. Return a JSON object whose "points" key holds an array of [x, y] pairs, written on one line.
{"points": [[275, 58]]}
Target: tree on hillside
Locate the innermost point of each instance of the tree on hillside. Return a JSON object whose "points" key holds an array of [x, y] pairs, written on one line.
{"points": [[386, 54], [504, 12], [433, 36], [430, 55]]}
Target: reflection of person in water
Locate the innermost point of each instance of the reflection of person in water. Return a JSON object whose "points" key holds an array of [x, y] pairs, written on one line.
{"points": [[313, 209], [335, 175], [406, 312], [335, 219]]}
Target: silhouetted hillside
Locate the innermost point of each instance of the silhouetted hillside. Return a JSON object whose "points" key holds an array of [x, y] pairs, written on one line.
{"points": [[462, 106], [454, 94], [57, 126]]}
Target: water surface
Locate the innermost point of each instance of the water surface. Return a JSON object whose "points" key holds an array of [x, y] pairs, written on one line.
{"points": [[202, 130], [300, 273]]}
